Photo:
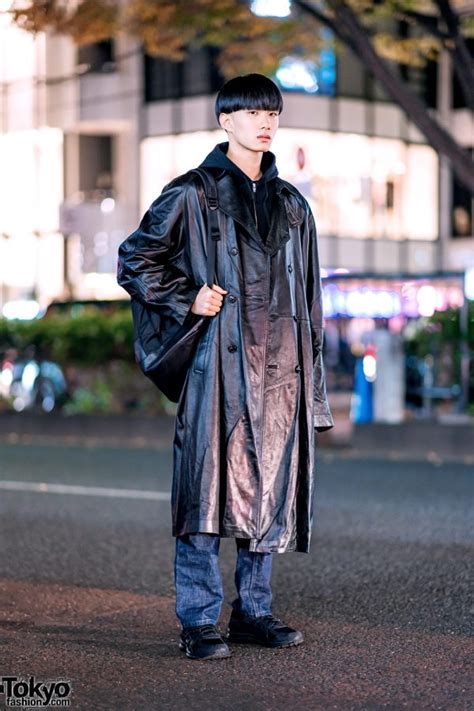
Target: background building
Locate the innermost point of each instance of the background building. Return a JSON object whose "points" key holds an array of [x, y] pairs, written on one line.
{"points": [[90, 136]]}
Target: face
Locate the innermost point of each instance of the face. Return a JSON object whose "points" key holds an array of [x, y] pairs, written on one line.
{"points": [[251, 129]]}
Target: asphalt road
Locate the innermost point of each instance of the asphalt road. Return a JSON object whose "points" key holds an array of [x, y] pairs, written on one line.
{"points": [[384, 597]]}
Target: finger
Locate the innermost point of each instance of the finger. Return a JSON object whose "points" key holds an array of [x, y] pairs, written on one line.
{"points": [[219, 289], [215, 299]]}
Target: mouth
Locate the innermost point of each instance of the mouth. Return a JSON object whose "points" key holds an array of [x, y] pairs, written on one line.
{"points": [[264, 137]]}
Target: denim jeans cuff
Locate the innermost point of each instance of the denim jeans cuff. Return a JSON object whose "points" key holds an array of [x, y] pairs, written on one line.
{"points": [[198, 624]]}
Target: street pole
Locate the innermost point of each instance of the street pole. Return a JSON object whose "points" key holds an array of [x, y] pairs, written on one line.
{"points": [[445, 176], [465, 355]]}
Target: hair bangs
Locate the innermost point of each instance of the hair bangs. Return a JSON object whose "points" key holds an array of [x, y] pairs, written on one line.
{"points": [[252, 91]]}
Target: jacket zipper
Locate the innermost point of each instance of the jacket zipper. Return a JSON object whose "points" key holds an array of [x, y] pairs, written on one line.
{"points": [[254, 189]]}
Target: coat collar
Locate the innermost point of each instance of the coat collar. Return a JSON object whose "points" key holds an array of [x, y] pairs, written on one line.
{"points": [[284, 215]]}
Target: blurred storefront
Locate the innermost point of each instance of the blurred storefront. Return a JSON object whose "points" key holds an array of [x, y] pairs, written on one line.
{"points": [[375, 199], [370, 322]]}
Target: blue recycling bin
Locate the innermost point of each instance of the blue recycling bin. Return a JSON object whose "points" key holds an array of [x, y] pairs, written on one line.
{"points": [[362, 402]]}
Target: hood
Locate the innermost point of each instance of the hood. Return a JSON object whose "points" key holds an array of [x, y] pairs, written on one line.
{"points": [[271, 220], [217, 158]]}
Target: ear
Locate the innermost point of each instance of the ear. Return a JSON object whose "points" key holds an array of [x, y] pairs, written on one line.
{"points": [[225, 121]]}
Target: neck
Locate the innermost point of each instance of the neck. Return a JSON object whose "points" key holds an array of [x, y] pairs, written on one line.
{"points": [[248, 161]]}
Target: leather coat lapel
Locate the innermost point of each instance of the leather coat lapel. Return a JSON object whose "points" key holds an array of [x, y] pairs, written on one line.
{"points": [[236, 206]]}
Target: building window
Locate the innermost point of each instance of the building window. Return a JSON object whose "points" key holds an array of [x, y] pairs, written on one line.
{"points": [[95, 166], [196, 75], [463, 210], [459, 100], [98, 56], [422, 80]]}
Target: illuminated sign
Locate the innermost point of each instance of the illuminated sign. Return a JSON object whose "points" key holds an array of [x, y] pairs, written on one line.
{"points": [[407, 299]]}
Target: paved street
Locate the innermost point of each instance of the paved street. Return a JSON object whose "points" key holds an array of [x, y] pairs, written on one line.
{"points": [[86, 587]]}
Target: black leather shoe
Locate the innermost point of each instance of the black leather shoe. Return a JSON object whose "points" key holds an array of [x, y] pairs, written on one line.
{"points": [[266, 630], [204, 642]]}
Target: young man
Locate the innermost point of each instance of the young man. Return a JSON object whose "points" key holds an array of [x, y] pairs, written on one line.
{"points": [[255, 391]]}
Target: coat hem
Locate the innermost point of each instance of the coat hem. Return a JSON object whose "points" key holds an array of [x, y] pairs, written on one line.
{"points": [[256, 546]]}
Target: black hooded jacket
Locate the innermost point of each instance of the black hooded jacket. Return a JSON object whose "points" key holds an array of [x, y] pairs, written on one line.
{"points": [[259, 194]]}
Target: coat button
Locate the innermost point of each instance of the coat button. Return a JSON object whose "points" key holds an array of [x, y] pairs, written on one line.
{"points": [[232, 298], [234, 250], [298, 368], [232, 348], [290, 268]]}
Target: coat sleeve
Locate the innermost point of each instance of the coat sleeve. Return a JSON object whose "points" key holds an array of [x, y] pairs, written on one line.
{"points": [[151, 263], [322, 414]]}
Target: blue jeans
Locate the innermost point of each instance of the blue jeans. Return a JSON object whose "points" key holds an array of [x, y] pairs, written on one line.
{"points": [[199, 591]]}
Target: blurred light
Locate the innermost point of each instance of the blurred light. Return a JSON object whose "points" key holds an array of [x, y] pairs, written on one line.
{"points": [[355, 303], [469, 283], [19, 404], [328, 308], [427, 299], [22, 309], [455, 297], [298, 74], [48, 403], [271, 8], [397, 323], [339, 300], [107, 205], [29, 375], [441, 300], [387, 304], [369, 366], [30, 169], [365, 302], [6, 375]]}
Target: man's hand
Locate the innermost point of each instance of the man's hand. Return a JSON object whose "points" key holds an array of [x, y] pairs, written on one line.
{"points": [[208, 302]]}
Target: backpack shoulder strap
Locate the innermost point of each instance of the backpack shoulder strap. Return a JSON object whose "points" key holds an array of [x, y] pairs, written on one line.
{"points": [[213, 232], [210, 187]]}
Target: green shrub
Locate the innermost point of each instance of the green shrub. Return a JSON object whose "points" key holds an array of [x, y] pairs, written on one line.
{"points": [[440, 336], [95, 351], [91, 338], [87, 401]]}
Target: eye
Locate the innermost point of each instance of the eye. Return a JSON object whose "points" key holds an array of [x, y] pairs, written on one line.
{"points": [[252, 111]]}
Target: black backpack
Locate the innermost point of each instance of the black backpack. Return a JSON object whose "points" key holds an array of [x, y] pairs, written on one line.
{"points": [[164, 346]]}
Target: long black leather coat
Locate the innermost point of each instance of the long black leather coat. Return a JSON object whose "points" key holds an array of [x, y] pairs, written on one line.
{"points": [[244, 459]]}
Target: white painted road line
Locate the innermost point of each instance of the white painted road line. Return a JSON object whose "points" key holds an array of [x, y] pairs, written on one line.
{"points": [[74, 490]]}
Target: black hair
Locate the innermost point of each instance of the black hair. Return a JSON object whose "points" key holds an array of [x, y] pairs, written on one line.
{"points": [[251, 91]]}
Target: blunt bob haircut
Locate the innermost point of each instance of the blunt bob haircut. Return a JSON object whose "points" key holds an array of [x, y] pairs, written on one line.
{"points": [[251, 91]]}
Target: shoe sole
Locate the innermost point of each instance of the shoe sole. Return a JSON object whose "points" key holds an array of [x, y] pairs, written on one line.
{"points": [[245, 638], [219, 655]]}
